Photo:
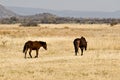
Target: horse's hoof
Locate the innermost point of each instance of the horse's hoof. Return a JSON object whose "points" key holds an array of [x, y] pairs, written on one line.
{"points": [[36, 56], [29, 57]]}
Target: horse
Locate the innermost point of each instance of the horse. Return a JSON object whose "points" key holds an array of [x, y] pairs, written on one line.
{"points": [[34, 45], [80, 43]]}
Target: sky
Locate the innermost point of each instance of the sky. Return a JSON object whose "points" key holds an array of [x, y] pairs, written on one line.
{"points": [[76, 5]]}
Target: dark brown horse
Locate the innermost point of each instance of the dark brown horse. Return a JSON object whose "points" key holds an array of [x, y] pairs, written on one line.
{"points": [[80, 43], [34, 45]]}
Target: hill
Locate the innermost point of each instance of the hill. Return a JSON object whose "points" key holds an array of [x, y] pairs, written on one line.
{"points": [[51, 16], [6, 13], [66, 13]]}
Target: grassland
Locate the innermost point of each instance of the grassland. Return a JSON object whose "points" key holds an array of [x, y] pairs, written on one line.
{"points": [[100, 62]]}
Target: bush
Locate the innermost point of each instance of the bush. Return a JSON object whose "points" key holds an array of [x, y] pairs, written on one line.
{"points": [[11, 20], [30, 23], [113, 23]]}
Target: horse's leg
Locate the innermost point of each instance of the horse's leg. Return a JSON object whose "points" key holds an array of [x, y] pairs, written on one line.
{"points": [[30, 53], [81, 51], [36, 54], [76, 50], [85, 47]]}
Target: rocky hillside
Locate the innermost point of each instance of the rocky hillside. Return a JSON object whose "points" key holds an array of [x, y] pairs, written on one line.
{"points": [[5, 13]]}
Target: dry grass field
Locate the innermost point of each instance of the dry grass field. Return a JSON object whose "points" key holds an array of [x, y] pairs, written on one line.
{"points": [[101, 61]]}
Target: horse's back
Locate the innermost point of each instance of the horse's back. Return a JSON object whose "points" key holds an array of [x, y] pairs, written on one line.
{"points": [[36, 44], [83, 41], [76, 40], [28, 42], [80, 41]]}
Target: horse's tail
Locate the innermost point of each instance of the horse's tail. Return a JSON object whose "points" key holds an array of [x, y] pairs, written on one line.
{"points": [[24, 48]]}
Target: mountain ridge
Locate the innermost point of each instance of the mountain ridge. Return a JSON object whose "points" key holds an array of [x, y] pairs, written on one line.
{"points": [[6, 13], [66, 13]]}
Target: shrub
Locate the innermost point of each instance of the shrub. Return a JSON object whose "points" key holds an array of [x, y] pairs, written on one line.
{"points": [[30, 23], [113, 23]]}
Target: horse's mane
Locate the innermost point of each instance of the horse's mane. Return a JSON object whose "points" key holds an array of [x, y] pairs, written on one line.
{"points": [[42, 42]]}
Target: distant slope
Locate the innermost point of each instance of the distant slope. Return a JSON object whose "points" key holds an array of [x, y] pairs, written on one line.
{"points": [[28, 11], [66, 13], [5, 13]]}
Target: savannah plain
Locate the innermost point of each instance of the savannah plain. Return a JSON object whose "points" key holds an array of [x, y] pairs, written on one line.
{"points": [[101, 61]]}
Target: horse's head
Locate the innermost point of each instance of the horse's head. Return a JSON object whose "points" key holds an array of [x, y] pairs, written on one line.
{"points": [[44, 45]]}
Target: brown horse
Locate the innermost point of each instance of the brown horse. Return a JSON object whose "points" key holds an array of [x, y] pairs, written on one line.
{"points": [[34, 45], [80, 43]]}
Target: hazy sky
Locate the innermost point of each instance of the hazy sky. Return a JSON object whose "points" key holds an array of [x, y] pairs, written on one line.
{"points": [[81, 5]]}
